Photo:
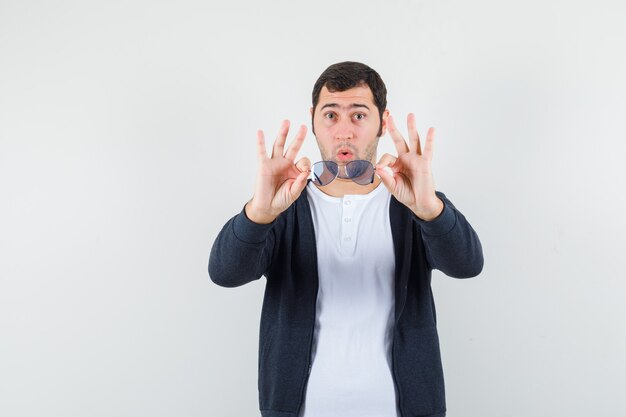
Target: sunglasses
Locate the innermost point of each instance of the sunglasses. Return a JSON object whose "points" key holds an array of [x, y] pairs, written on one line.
{"points": [[359, 171]]}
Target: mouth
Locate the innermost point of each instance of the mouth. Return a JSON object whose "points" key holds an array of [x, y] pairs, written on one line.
{"points": [[344, 155]]}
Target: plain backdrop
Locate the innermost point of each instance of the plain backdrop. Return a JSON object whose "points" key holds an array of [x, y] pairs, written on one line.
{"points": [[127, 139]]}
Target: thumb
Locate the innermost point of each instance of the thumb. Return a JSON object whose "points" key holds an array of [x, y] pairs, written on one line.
{"points": [[387, 178], [298, 184]]}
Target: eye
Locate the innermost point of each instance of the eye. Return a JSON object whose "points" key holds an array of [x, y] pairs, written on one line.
{"points": [[359, 116], [329, 115]]}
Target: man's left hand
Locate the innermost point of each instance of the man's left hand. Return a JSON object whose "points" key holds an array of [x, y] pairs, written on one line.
{"points": [[411, 179]]}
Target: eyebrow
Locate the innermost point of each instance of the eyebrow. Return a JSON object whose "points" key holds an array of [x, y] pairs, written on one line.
{"points": [[351, 106]]}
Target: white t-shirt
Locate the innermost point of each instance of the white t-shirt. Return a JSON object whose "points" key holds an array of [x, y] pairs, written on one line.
{"points": [[351, 356]]}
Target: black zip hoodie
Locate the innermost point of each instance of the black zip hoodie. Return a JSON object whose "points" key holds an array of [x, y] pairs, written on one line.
{"points": [[285, 253]]}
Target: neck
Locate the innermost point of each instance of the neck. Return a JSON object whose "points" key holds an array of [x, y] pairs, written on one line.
{"points": [[340, 187]]}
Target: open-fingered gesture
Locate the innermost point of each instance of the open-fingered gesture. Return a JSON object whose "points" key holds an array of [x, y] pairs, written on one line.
{"points": [[411, 179], [279, 180]]}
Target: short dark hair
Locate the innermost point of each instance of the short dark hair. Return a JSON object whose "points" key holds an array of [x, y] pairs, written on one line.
{"points": [[346, 75]]}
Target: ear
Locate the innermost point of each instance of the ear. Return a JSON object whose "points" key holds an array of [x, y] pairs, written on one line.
{"points": [[311, 110], [384, 122]]}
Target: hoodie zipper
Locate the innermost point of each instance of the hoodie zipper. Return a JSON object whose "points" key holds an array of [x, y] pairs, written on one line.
{"points": [[317, 286], [306, 379]]}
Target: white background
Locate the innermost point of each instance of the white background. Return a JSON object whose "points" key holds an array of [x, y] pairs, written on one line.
{"points": [[127, 134]]}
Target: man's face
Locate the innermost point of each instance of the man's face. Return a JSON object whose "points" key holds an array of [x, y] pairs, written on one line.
{"points": [[346, 125]]}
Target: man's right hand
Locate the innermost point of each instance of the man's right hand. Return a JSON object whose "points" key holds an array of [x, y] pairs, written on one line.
{"points": [[279, 180]]}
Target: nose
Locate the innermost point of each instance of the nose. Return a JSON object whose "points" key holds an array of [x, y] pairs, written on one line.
{"points": [[344, 130]]}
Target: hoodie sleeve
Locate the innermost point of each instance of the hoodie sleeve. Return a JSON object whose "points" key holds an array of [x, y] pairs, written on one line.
{"points": [[241, 252], [452, 245]]}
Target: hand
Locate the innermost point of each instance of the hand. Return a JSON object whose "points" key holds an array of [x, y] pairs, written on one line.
{"points": [[411, 180], [279, 180]]}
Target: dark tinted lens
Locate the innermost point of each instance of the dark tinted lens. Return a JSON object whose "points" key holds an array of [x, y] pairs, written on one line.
{"points": [[361, 172], [324, 172]]}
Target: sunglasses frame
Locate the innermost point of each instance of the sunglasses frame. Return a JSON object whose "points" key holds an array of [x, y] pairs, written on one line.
{"points": [[316, 180]]}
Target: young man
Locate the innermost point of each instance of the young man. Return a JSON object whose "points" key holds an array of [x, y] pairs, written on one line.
{"points": [[348, 324]]}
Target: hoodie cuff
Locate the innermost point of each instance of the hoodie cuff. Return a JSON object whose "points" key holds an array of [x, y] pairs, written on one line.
{"points": [[441, 224], [248, 231]]}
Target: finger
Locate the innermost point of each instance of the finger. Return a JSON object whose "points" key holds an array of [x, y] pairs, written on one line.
{"points": [[279, 143], [387, 178], [430, 142], [390, 162], [386, 160], [397, 138], [304, 165], [296, 144], [260, 144], [298, 185], [414, 138]]}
